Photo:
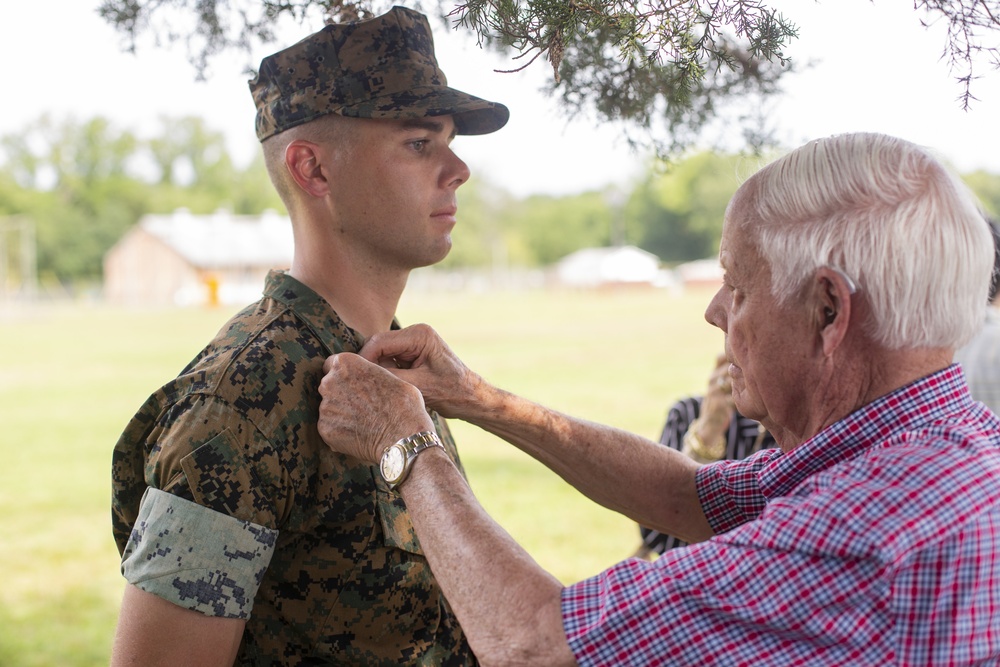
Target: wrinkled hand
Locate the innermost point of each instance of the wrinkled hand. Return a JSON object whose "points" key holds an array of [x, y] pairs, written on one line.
{"points": [[365, 409], [419, 356]]}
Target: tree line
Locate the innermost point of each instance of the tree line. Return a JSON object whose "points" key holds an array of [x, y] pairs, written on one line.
{"points": [[84, 184]]}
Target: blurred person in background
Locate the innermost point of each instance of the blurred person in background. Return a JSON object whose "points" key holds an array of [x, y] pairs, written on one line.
{"points": [[980, 358], [707, 428]]}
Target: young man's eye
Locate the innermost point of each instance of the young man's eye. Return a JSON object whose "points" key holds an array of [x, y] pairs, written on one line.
{"points": [[419, 145]]}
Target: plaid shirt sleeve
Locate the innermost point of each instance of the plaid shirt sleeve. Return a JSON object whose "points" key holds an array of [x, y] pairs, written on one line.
{"points": [[730, 491]]}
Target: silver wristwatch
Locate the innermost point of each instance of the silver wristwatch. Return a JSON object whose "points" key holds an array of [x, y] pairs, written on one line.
{"points": [[397, 459]]}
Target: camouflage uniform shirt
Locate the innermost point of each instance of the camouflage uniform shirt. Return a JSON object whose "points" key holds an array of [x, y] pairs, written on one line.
{"points": [[227, 501]]}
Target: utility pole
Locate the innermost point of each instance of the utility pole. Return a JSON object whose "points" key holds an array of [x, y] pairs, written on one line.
{"points": [[616, 198], [18, 246]]}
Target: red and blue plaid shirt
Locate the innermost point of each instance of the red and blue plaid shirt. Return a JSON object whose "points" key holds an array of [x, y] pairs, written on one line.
{"points": [[876, 542]]}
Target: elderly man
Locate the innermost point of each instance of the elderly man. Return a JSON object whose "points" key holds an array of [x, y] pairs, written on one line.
{"points": [[854, 267]]}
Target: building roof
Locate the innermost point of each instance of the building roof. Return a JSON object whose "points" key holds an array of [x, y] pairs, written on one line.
{"points": [[222, 240]]}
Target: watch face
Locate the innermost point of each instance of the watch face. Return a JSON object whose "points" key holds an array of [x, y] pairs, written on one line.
{"points": [[392, 463]]}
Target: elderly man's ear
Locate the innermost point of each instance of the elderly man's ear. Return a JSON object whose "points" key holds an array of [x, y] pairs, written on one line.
{"points": [[832, 307]]}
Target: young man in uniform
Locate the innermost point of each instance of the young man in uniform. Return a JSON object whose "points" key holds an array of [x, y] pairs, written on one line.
{"points": [[243, 537]]}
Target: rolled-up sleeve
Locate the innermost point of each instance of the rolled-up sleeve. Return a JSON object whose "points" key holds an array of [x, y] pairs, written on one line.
{"points": [[195, 557]]}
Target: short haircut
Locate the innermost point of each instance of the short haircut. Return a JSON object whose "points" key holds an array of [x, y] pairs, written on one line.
{"points": [[888, 214], [329, 128]]}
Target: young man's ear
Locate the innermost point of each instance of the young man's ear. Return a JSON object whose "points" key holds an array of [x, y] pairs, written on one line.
{"points": [[832, 306], [304, 162]]}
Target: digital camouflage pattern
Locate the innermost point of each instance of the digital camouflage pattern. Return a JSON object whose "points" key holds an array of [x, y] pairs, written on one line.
{"points": [[235, 432], [380, 68], [198, 558]]}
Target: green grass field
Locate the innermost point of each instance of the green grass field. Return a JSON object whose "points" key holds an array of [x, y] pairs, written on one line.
{"points": [[70, 378]]}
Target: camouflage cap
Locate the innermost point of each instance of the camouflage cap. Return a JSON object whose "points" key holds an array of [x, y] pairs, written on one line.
{"points": [[380, 68]]}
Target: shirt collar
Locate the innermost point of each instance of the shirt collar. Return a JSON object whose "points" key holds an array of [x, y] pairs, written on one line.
{"points": [[911, 406], [314, 311]]}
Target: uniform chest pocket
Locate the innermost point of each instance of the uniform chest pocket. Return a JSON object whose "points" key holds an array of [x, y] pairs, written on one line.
{"points": [[397, 528]]}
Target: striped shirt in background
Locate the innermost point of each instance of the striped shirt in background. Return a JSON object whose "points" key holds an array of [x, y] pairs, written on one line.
{"points": [[744, 437]]}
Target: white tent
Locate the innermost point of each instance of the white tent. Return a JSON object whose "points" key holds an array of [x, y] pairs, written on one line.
{"points": [[594, 267]]}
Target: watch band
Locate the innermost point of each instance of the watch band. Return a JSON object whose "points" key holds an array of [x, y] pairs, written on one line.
{"points": [[411, 446], [700, 451], [418, 442]]}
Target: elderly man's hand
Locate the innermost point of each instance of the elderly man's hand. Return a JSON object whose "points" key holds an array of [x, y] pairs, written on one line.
{"points": [[365, 409], [419, 356]]}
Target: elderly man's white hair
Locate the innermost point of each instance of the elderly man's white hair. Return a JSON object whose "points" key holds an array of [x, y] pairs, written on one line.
{"points": [[891, 217]]}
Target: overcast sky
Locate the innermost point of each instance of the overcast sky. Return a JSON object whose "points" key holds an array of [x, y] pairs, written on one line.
{"points": [[877, 69]]}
